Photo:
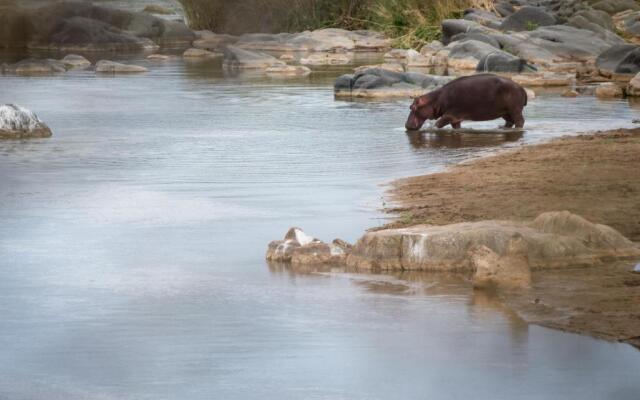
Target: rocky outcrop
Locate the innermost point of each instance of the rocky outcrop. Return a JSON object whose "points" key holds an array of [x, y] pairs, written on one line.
{"points": [[112, 67], [498, 253], [376, 82], [81, 26], [19, 123], [527, 19], [553, 240], [298, 248], [321, 40]]}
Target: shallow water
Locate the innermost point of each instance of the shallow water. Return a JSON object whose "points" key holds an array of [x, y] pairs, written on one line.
{"points": [[132, 247]]}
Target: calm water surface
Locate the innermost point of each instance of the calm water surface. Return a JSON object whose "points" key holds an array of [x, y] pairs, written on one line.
{"points": [[132, 245]]}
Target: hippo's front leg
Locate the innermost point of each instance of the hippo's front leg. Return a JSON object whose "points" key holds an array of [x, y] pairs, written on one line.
{"points": [[443, 121]]}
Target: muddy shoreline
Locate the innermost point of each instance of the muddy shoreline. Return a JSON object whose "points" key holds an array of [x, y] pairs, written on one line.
{"points": [[593, 175]]}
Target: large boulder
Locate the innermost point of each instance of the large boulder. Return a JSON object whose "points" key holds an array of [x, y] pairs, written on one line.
{"points": [[82, 26], [619, 59], [452, 27], [237, 58], [527, 19], [467, 54], [553, 240], [500, 61], [609, 91], [19, 123], [376, 82]]}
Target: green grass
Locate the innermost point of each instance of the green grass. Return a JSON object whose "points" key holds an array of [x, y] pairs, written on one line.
{"points": [[410, 22]]}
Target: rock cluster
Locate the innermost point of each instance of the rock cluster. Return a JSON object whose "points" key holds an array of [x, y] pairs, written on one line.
{"points": [[298, 248], [323, 40], [499, 253], [82, 26], [19, 123]]}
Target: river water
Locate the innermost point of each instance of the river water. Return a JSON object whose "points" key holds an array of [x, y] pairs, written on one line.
{"points": [[132, 249]]}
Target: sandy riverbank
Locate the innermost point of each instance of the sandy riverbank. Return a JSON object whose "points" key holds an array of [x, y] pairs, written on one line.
{"points": [[596, 176]]}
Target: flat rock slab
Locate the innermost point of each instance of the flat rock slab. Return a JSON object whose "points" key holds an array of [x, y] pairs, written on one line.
{"points": [[553, 240]]}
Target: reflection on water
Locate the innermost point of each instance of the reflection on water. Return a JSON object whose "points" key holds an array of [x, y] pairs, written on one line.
{"points": [[454, 140], [132, 246]]}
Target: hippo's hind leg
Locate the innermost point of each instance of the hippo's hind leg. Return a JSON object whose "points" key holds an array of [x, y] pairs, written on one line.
{"points": [[517, 118], [508, 122]]}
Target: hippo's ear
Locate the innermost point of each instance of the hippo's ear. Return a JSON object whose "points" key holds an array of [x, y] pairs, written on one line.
{"points": [[422, 101]]}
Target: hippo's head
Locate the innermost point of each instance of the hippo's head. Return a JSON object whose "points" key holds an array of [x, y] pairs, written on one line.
{"points": [[422, 109]]}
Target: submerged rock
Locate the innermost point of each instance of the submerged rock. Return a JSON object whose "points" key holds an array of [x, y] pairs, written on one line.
{"points": [[200, 53], [298, 248], [112, 67], [554, 239], [237, 58], [288, 70], [327, 59], [34, 66], [376, 82], [19, 123]]}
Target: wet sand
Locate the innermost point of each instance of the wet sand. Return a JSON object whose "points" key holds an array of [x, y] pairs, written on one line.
{"points": [[596, 176]]}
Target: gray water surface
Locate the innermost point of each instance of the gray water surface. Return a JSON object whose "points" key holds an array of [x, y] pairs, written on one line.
{"points": [[132, 246]]}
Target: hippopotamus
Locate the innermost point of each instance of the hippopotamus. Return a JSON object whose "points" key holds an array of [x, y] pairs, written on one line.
{"points": [[471, 98]]}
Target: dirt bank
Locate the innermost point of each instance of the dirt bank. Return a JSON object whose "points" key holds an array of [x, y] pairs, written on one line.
{"points": [[596, 176]]}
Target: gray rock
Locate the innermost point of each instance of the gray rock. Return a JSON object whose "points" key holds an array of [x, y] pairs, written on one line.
{"points": [[527, 19], [483, 17], [467, 54], [19, 123], [452, 27], [480, 37], [504, 8], [619, 59], [628, 23], [503, 62], [237, 58], [376, 82], [615, 6]]}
